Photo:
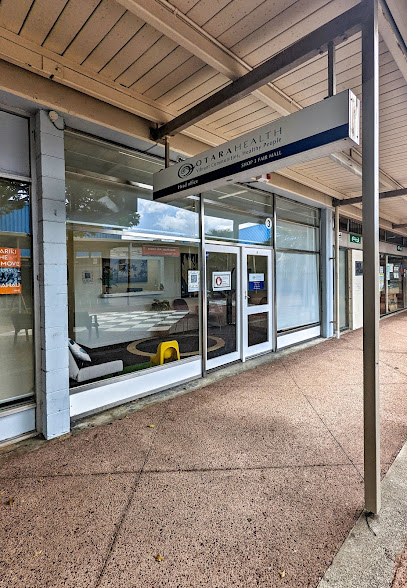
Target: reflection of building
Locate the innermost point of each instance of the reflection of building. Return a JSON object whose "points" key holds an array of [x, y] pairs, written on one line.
{"points": [[120, 273]]}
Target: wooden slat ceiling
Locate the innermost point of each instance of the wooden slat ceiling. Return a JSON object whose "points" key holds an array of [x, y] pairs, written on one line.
{"points": [[102, 38]]}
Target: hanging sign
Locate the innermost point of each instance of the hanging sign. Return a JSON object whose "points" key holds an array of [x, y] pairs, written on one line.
{"points": [[320, 129], [355, 239], [221, 281], [10, 270]]}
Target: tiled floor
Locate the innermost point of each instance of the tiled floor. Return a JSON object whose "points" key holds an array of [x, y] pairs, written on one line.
{"points": [[252, 481]]}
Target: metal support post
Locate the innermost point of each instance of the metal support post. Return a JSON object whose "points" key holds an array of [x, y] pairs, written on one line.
{"points": [[337, 298], [331, 69], [274, 289], [204, 304], [167, 151], [371, 312]]}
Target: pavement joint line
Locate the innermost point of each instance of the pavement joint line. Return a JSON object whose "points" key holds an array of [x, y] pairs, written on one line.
{"points": [[177, 470], [322, 421], [392, 366], [368, 555], [132, 494]]}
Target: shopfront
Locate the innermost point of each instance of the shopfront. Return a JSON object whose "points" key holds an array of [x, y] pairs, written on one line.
{"points": [[148, 294], [392, 283], [17, 382], [136, 278]]}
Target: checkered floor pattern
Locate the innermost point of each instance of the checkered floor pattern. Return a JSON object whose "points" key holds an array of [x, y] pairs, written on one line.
{"points": [[112, 322]]}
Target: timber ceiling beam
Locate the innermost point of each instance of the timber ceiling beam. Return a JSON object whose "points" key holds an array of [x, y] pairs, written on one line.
{"points": [[392, 38], [382, 196], [296, 54], [172, 23]]}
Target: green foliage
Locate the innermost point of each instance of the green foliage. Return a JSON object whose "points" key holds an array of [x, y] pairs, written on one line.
{"points": [[160, 305], [13, 196]]}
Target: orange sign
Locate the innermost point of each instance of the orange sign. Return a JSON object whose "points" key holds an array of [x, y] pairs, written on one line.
{"points": [[10, 270]]}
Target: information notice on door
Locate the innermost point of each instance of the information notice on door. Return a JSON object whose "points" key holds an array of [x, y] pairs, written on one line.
{"points": [[10, 270], [256, 281], [221, 281]]}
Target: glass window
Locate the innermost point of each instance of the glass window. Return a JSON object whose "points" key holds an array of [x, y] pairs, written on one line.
{"points": [[395, 274], [297, 273], [133, 265], [355, 227], [295, 236], [382, 277], [221, 304], [393, 238], [16, 293], [297, 289], [128, 296], [110, 186], [343, 224], [296, 212], [343, 289], [15, 153], [238, 214]]}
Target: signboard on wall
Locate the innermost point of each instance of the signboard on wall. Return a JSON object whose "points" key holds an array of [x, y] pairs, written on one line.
{"points": [[193, 280], [320, 129], [221, 281], [10, 270], [358, 268], [256, 282], [355, 239], [159, 250]]}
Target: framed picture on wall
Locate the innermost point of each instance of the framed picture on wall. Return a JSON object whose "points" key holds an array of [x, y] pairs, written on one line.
{"points": [[189, 261], [118, 271]]}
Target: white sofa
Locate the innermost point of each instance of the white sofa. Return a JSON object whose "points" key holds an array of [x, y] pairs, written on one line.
{"points": [[92, 372]]}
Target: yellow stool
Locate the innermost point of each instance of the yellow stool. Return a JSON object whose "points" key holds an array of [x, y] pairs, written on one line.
{"points": [[165, 350]]}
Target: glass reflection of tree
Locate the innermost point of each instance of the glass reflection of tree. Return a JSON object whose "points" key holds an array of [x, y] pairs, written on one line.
{"points": [[107, 206], [13, 196], [220, 233]]}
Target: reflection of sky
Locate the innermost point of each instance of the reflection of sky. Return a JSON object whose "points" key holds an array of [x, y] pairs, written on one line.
{"points": [[164, 218], [213, 223]]}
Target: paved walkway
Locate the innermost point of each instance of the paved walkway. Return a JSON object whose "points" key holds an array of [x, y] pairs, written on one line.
{"points": [[254, 480]]}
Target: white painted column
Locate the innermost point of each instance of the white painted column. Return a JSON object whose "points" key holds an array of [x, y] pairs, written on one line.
{"points": [[327, 290], [53, 414]]}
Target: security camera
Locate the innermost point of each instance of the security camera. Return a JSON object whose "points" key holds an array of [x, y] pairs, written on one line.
{"points": [[53, 116]]}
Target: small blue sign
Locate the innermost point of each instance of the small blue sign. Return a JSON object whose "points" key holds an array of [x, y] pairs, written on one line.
{"points": [[256, 286]]}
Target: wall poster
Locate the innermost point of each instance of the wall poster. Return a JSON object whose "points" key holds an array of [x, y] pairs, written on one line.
{"points": [[10, 270], [189, 261]]}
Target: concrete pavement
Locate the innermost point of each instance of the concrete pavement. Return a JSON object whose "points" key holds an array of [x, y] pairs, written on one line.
{"points": [[252, 480]]}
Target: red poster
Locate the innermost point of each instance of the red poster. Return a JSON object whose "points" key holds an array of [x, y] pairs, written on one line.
{"points": [[158, 250], [10, 270]]}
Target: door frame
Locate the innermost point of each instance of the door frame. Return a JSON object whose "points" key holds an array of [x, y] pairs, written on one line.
{"points": [[247, 311], [235, 355]]}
